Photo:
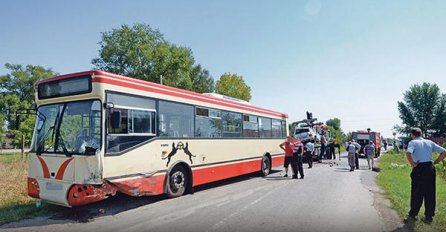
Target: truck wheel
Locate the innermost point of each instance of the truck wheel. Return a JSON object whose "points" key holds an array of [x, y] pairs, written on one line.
{"points": [[178, 181]]}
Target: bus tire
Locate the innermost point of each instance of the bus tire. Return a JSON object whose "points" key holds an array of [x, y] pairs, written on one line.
{"points": [[266, 166], [178, 181]]}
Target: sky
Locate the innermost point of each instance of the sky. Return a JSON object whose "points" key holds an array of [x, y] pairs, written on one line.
{"points": [[335, 58]]}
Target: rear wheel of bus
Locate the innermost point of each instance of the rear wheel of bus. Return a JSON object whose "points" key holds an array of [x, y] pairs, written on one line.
{"points": [[266, 166], [177, 182]]}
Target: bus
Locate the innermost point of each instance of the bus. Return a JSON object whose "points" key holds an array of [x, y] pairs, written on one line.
{"points": [[98, 133]]}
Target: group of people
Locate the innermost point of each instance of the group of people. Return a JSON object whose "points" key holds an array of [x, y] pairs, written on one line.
{"points": [[419, 155], [327, 150], [353, 149], [295, 151]]}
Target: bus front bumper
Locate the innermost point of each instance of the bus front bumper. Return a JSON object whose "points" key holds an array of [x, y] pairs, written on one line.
{"points": [[68, 194]]}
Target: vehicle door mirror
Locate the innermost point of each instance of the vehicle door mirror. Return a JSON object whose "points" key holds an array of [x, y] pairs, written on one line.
{"points": [[90, 151], [115, 119]]}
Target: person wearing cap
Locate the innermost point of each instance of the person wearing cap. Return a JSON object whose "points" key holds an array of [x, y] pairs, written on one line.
{"points": [[288, 147], [423, 175], [369, 151], [358, 148]]}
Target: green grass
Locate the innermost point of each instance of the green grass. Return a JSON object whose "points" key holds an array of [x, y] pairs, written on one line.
{"points": [[394, 179], [15, 204]]}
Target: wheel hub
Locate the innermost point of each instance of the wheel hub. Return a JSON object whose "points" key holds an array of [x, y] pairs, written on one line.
{"points": [[178, 179]]}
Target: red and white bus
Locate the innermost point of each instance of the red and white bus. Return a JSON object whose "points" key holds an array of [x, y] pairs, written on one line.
{"points": [[98, 133]]}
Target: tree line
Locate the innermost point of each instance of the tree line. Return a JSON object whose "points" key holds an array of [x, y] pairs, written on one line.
{"points": [[423, 106], [137, 51]]}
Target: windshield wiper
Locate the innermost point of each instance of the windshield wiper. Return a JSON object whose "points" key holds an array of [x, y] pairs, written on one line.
{"points": [[42, 140], [59, 139]]}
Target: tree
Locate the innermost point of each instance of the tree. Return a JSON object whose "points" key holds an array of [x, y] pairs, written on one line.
{"points": [[142, 52], [16, 92], [335, 123], [439, 120], [234, 86], [202, 81], [419, 106], [2, 129]]}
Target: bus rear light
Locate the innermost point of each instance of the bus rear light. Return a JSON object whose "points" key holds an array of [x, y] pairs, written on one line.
{"points": [[33, 188]]}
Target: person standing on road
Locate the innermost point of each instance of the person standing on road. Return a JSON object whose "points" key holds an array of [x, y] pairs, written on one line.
{"points": [[369, 151], [351, 150], [288, 147], [331, 147], [358, 148], [423, 175], [298, 156], [323, 146], [309, 153], [385, 145]]}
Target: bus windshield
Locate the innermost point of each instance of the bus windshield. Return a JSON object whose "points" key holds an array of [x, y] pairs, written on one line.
{"points": [[68, 128]]}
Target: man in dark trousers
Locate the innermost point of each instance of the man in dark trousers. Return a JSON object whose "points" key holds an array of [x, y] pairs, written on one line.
{"points": [[298, 155], [309, 153], [419, 155], [358, 148]]}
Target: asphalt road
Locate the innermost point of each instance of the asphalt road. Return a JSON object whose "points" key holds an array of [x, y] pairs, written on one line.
{"points": [[330, 198]]}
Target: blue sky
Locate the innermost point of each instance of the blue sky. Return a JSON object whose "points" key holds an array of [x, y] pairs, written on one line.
{"points": [[346, 59]]}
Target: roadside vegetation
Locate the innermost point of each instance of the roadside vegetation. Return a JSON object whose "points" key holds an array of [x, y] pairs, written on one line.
{"points": [[394, 178], [15, 204]]}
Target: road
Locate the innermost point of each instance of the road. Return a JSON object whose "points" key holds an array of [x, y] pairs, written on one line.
{"points": [[330, 198]]}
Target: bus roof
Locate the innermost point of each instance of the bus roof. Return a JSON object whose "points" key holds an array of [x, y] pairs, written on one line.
{"points": [[128, 82]]}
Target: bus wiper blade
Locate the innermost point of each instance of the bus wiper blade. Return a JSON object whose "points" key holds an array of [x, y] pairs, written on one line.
{"points": [[42, 141]]}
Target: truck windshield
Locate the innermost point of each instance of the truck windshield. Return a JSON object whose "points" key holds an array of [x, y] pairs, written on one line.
{"points": [[68, 128]]}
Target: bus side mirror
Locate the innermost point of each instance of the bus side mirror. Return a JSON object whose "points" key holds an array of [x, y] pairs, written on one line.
{"points": [[116, 119]]}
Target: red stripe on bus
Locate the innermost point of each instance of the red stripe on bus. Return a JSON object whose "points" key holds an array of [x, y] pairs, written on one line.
{"points": [[61, 171], [278, 161], [216, 173], [156, 85], [182, 92], [46, 172], [145, 186], [154, 185], [175, 94]]}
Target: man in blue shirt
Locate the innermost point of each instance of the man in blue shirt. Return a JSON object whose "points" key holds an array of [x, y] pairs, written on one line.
{"points": [[419, 154], [309, 153]]}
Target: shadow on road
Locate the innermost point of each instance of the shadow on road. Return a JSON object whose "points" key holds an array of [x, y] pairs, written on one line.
{"points": [[342, 170], [118, 204]]}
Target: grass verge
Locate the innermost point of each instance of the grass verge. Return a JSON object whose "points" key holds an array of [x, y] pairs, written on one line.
{"points": [[394, 179], [15, 204]]}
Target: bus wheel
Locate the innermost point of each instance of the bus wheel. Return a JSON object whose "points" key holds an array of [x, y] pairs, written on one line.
{"points": [[266, 166], [178, 181]]}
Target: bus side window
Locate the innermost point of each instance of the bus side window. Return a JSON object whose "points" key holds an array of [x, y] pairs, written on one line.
{"points": [[175, 120], [134, 121]]}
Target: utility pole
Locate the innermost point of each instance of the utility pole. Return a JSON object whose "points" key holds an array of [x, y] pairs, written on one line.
{"points": [[23, 146], [161, 79]]}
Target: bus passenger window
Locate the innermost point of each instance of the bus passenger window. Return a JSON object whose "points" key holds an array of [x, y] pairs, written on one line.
{"points": [[250, 126], [265, 127], [207, 123], [232, 124], [175, 120], [276, 129]]}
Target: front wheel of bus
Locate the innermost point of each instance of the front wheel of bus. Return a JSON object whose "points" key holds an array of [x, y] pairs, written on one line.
{"points": [[266, 166], [178, 180]]}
